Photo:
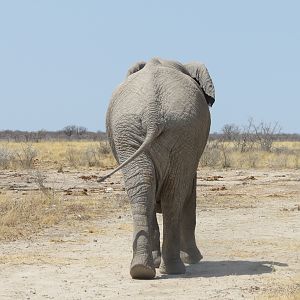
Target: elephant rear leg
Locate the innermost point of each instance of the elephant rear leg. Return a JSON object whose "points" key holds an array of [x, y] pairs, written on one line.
{"points": [[156, 254], [189, 253], [171, 262], [140, 184], [171, 202]]}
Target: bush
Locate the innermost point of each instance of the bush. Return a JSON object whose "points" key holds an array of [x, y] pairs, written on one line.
{"points": [[211, 155], [73, 157], [26, 156], [94, 155], [7, 158]]}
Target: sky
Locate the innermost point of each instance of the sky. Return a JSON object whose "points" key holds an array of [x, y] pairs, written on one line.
{"points": [[60, 60]]}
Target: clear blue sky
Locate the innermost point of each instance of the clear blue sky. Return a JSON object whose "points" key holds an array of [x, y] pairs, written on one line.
{"points": [[60, 60]]}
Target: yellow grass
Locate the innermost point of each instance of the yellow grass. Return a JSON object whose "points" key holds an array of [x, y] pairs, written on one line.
{"points": [[290, 145], [60, 154], [22, 217], [91, 154], [25, 215], [283, 155], [262, 159]]}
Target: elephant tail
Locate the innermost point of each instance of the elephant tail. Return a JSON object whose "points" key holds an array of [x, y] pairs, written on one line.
{"points": [[148, 140]]}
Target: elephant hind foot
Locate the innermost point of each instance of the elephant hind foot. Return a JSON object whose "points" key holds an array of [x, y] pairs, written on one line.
{"points": [[176, 267], [191, 256], [156, 258], [140, 271]]}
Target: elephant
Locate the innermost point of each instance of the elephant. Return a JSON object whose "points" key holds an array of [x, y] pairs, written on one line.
{"points": [[158, 123]]}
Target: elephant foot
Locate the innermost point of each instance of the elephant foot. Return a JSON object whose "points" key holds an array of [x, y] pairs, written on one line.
{"points": [[190, 256], [142, 269], [156, 258], [173, 267], [142, 272]]}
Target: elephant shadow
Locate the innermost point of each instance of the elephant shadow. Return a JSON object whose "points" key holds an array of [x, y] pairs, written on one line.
{"points": [[227, 268]]}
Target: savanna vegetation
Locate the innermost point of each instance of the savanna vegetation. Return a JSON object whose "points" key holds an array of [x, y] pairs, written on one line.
{"points": [[75, 148], [250, 146]]}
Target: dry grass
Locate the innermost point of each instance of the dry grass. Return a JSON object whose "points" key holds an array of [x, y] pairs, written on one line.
{"points": [[22, 217], [54, 154], [90, 154], [225, 155], [28, 214]]}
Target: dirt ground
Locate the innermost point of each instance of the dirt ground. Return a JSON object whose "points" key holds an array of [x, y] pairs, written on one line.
{"points": [[248, 230]]}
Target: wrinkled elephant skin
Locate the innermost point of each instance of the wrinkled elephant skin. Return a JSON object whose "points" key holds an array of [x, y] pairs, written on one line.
{"points": [[158, 123]]}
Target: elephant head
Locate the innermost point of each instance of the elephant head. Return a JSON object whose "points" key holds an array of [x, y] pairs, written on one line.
{"points": [[196, 70]]}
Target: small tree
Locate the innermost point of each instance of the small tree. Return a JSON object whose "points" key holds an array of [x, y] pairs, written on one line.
{"points": [[40, 134], [230, 132], [246, 140], [28, 136], [265, 134], [69, 130], [81, 130]]}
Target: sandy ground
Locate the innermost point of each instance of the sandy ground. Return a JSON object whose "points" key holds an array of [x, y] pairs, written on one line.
{"points": [[248, 230]]}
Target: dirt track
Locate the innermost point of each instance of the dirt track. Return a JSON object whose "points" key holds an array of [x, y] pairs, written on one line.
{"points": [[248, 229]]}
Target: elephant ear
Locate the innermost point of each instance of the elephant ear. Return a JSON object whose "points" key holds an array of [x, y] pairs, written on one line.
{"points": [[136, 67], [200, 73]]}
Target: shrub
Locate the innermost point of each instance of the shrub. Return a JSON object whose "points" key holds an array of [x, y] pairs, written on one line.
{"points": [[6, 158], [26, 155], [211, 155], [94, 155], [73, 157]]}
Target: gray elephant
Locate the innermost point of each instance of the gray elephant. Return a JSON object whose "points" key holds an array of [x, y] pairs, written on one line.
{"points": [[158, 123]]}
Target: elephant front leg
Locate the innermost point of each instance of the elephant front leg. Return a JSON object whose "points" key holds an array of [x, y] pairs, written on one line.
{"points": [[189, 253]]}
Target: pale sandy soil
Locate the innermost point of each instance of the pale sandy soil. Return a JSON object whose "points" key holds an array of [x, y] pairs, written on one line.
{"points": [[248, 230]]}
